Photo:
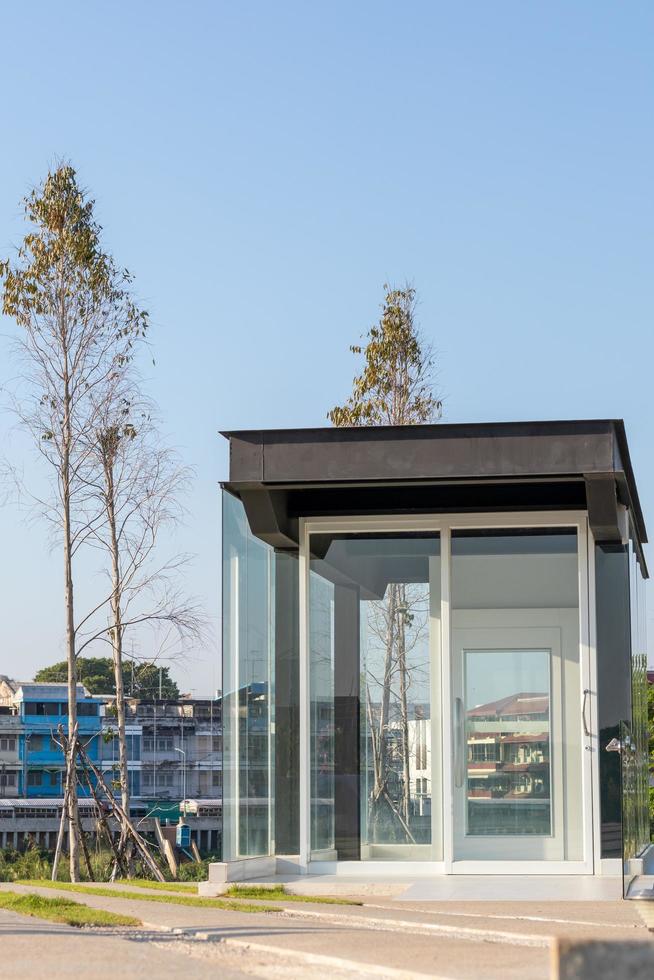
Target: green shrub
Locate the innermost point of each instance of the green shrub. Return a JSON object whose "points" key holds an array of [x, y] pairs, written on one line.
{"points": [[36, 862], [191, 871], [33, 862]]}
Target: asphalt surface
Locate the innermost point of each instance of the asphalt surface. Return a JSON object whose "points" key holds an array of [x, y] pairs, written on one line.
{"points": [[384, 938]]}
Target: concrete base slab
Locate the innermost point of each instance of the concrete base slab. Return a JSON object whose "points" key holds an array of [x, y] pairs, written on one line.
{"points": [[444, 888], [243, 870], [508, 888]]}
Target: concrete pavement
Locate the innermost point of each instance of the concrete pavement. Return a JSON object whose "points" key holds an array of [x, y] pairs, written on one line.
{"points": [[31, 947], [385, 937]]}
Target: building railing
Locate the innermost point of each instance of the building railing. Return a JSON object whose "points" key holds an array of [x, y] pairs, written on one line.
{"points": [[176, 761]]}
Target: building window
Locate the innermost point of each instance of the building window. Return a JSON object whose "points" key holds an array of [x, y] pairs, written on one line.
{"points": [[217, 743], [37, 813], [217, 779], [7, 779], [484, 752], [133, 743], [42, 708], [87, 709], [7, 744], [35, 777]]}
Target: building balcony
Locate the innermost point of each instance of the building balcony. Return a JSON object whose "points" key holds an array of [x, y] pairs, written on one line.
{"points": [[53, 759], [10, 723], [47, 724]]}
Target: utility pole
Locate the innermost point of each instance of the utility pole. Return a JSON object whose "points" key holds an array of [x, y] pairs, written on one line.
{"points": [[154, 752], [183, 807]]}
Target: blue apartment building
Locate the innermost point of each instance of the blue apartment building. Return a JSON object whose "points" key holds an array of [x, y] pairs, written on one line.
{"points": [[40, 709], [174, 752]]}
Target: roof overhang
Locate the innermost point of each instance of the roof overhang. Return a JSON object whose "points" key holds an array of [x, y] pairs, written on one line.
{"points": [[283, 474]]}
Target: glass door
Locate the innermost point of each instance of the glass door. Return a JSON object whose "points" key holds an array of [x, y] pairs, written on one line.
{"points": [[374, 672], [516, 689]]}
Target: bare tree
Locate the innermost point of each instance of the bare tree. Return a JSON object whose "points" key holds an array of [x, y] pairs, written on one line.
{"points": [[78, 325], [134, 487]]}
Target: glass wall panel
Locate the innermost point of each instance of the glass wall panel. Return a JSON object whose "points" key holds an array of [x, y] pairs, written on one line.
{"points": [[374, 629], [613, 684], [248, 690], [635, 750], [321, 642], [516, 689]]}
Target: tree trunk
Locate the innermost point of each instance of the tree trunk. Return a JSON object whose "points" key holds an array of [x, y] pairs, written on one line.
{"points": [[378, 802], [404, 709], [116, 626], [65, 471], [71, 777]]}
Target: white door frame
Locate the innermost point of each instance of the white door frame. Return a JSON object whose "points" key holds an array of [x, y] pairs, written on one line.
{"points": [[443, 526]]}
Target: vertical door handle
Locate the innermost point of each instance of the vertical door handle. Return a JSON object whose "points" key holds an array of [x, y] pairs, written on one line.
{"points": [[583, 712], [458, 742]]}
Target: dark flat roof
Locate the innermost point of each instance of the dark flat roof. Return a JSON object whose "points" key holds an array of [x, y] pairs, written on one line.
{"points": [[486, 452]]}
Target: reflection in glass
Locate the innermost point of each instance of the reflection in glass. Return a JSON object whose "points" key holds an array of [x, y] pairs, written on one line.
{"points": [[507, 737], [395, 672], [634, 732], [321, 646], [248, 643], [372, 600]]}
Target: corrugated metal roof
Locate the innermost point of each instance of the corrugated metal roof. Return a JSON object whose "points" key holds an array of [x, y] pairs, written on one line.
{"points": [[48, 692], [22, 804]]}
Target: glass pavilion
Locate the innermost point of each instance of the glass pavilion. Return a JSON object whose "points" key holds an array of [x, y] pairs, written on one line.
{"points": [[434, 651]]}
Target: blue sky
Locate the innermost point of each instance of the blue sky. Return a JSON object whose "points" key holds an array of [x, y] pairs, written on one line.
{"points": [[264, 168]]}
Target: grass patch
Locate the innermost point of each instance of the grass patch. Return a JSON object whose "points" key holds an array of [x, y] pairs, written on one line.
{"points": [[279, 893], [194, 901], [63, 910], [169, 886]]}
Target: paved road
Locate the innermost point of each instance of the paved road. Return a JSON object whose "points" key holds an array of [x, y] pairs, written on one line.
{"points": [[31, 947], [385, 938]]}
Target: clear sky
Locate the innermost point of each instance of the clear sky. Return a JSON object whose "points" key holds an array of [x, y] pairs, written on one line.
{"points": [[263, 168]]}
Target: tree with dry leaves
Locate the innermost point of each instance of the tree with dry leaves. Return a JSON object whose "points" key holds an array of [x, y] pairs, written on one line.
{"points": [[395, 387], [78, 325]]}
